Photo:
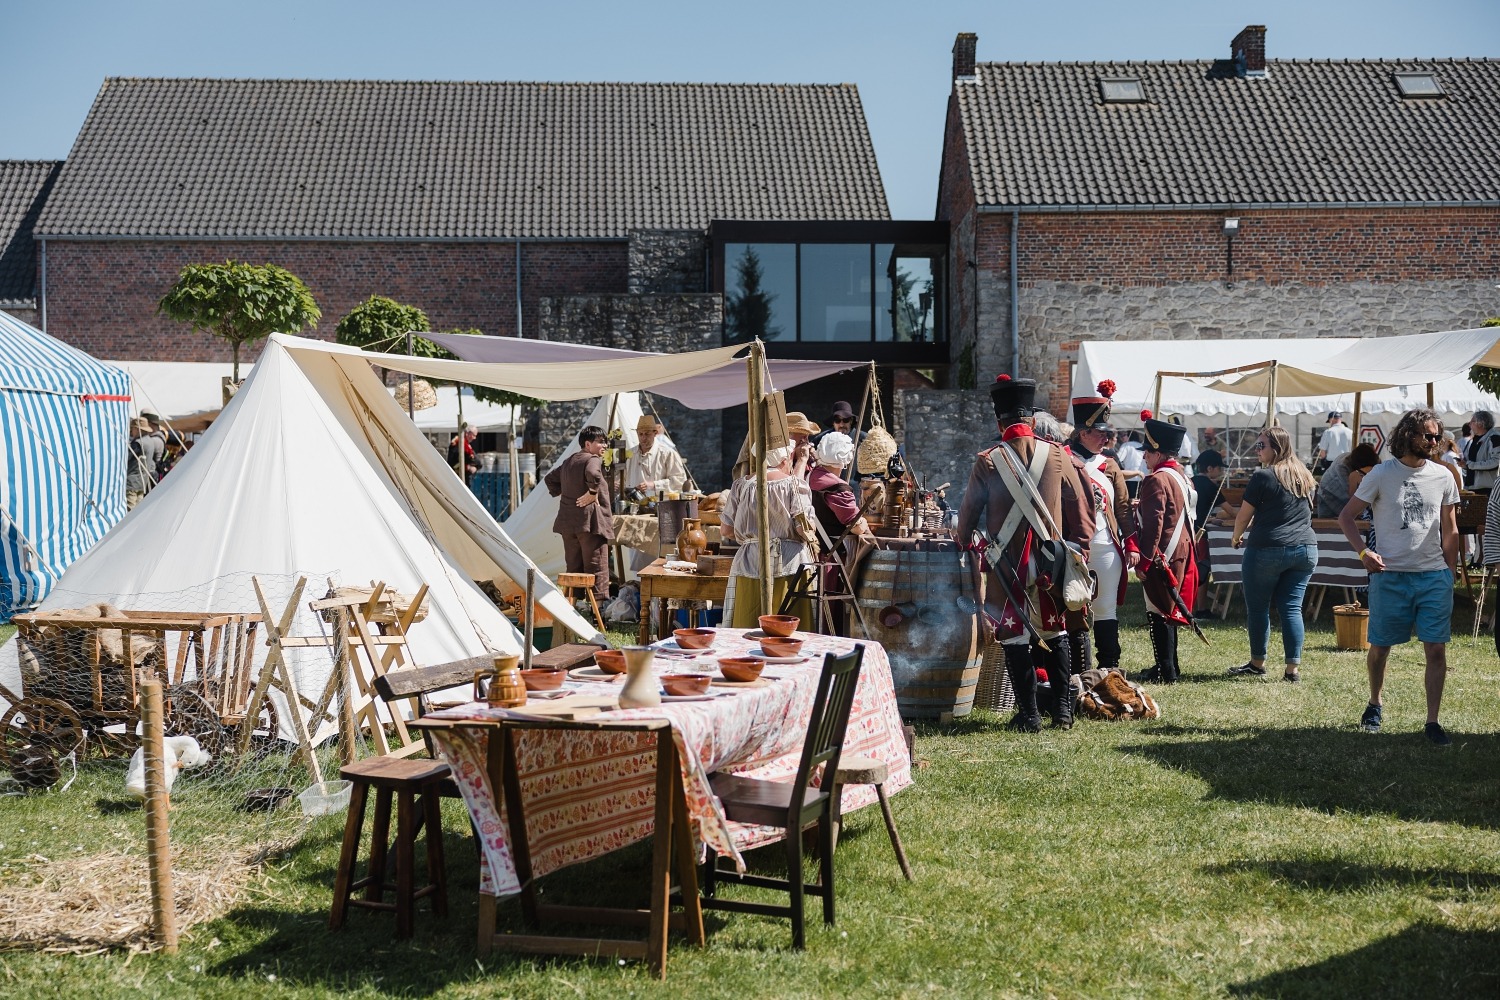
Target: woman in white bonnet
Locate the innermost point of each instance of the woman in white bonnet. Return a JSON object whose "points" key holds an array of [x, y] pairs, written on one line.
{"points": [[787, 496]]}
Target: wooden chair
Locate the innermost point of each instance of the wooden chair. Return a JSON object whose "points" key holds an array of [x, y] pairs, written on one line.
{"points": [[794, 806], [569, 582], [857, 770]]}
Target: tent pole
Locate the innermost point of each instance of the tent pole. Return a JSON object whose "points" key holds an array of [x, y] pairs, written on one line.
{"points": [[1429, 395], [859, 422], [1271, 397], [1358, 406], [758, 435], [411, 402], [1156, 397]]}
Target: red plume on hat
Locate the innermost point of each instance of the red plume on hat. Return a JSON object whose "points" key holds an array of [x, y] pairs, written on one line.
{"points": [[1146, 415], [1107, 388], [1002, 377]]}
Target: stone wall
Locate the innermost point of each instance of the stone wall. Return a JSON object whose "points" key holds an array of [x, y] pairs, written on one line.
{"points": [[25, 314], [942, 430], [671, 324], [667, 261]]}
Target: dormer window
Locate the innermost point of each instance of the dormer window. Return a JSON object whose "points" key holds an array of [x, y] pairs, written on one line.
{"points": [[1419, 85], [1122, 90]]}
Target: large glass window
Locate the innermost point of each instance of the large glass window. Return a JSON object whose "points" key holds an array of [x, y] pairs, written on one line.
{"points": [[760, 291], [905, 299], [836, 291]]}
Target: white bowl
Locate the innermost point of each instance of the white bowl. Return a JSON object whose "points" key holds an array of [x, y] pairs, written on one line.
{"points": [[321, 799]]}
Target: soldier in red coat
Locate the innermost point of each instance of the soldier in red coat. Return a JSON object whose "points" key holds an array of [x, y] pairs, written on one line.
{"points": [[1164, 535], [1016, 587]]}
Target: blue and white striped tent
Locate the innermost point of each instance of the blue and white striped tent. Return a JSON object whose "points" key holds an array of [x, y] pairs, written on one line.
{"points": [[64, 434]]}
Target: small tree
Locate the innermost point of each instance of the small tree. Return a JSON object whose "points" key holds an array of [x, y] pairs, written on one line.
{"points": [[381, 324], [1487, 379], [241, 303]]}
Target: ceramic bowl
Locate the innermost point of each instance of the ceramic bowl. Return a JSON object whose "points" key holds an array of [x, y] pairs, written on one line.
{"points": [[685, 684], [779, 625], [694, 638], [741, 669], [780, 647], [543, 678], [611, 661]]}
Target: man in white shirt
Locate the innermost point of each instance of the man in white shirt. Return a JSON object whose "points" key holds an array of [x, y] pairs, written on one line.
{"points": [[654, 466], [1336, 440], [1414, 504]]}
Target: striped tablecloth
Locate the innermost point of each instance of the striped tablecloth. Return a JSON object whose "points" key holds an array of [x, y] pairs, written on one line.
{"points": [[1338, 564], [589, 793]]}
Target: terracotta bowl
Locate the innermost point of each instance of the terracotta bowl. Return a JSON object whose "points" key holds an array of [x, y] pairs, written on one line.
{"points": [[685, 684], [694, 638], [611, 661], [742, 669], [779, 625], [780, 647], [543, 678]]}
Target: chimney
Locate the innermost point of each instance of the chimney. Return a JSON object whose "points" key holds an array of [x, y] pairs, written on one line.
{"points": [[964, 48], [1249, 51]]}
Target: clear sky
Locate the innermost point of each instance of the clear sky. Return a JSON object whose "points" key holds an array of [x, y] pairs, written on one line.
{"points": [[58, 52]]}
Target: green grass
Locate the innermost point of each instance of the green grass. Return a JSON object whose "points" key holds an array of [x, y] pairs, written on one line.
{"points": [[1252, 843]]}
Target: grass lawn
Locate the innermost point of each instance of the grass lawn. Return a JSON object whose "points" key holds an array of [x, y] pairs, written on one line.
{"points": [[1251, 843]]}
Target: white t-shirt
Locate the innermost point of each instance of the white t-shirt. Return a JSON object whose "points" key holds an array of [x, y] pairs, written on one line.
{"points": [[1336, 442], [1406, 509], [1130, 457]]}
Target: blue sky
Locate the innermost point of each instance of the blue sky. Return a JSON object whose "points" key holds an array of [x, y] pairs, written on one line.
{"points": [[58, 52]]}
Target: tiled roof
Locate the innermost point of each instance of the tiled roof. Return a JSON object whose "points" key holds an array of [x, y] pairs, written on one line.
{"points": [[421, 160], [23, 188], [1318, 132]]}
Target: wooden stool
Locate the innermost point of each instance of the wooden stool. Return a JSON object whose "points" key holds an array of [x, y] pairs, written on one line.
{"points": [[856, 770], [569, 582], [416, 784]]}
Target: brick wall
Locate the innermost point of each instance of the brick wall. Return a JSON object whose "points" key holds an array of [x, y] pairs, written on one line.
{"points": [[101, 296], [1165, 276]]}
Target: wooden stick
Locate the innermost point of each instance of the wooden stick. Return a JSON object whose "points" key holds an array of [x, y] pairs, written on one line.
{"points": [[158, 837], [274, 631]]}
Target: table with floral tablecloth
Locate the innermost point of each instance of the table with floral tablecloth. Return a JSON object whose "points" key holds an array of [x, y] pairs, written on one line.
{"points": [[586, 793]]}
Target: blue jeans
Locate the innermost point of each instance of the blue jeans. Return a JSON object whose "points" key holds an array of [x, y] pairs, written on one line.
{"points": [[1278, 572]]}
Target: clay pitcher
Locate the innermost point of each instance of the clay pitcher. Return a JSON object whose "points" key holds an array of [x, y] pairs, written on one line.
{"points": [[641, 688], [692, 541], [507, 689]]}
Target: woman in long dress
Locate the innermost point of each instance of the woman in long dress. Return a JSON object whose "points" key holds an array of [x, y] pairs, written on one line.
{"points": [[787, 497]]}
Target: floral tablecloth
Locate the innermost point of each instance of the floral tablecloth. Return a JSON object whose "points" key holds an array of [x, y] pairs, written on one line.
{"points": [[590, 792]]}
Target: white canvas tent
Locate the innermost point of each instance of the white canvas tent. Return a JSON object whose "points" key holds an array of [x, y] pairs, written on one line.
{"points": [[313, 469], [178, 389]]}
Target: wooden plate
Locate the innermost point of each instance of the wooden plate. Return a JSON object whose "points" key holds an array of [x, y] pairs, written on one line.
{"points": [[593, 674]]}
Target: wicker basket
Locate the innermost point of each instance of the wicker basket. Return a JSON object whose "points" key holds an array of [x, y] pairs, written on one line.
{"points": [[875, 452], [994, 690], [423, 394]]}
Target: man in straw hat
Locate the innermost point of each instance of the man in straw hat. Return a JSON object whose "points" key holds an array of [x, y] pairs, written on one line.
{"points": [[1016, 590], [1164, 535], [655, 464], [1114, 523], [146, 451]]}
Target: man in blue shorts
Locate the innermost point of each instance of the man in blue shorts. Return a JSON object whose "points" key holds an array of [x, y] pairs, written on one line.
{"points": [[1414, 506]]}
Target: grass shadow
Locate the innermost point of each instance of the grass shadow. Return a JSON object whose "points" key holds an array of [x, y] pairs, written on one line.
{"points": [[1339, 875], [1424, 960], [1330, 769]]}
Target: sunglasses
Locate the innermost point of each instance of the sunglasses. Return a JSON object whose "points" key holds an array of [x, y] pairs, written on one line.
{"points": [[1262, 445], [1433, 437]]}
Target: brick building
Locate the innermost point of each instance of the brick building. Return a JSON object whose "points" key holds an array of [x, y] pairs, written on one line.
{"points": [[566, 211], [1219, 198]]}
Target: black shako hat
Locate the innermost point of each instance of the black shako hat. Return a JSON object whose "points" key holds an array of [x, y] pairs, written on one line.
{"points": [[1092, 412], [1013, 397], [1164, 437]]}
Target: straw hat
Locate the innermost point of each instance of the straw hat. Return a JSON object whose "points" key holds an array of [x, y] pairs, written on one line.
{"points": [[648, 422], [797, 423]]}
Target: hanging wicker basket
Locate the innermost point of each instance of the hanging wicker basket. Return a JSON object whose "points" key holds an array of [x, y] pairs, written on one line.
{"points": [[875, 452], [424, 395]]}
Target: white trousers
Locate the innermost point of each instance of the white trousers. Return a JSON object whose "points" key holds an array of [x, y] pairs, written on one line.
{"points": [[1107, 564]]}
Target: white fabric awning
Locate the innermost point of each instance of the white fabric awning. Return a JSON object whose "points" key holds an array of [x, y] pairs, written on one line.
{"points": [[173, 389]]}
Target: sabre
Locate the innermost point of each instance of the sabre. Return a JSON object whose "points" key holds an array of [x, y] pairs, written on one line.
{"points": [[1182, 607]]}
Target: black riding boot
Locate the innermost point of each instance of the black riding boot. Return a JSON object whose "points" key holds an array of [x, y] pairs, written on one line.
{"points": [[1083, 651], [1107, 641], [1172, 670], [1160, 633], [1060, 668], [1023, 682]]}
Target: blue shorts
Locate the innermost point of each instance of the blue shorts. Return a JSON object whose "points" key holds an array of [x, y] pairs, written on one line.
{"points": [[1400, 602]]}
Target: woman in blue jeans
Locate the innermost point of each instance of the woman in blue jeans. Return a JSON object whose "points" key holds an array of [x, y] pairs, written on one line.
{"points": [[1279, 554]]}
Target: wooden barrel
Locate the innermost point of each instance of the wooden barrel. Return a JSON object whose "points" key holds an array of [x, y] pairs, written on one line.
{"points": [[935, 653]]}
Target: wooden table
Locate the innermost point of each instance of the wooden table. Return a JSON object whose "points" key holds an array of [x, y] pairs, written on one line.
{"points": [[583, 789], [658, 581], [674, 852]]}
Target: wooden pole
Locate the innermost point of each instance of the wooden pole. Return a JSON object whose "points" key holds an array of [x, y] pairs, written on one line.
{"points": [[758, 435], [1358, 406], [1429, 395], [530, 614], [1156, 397], [515, 464], [1271, 397], [158, 837], [871, 385]]}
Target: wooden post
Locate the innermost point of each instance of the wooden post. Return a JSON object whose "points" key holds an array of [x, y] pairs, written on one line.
{"points": [[1429, 395], [530, 615], [1156, 397], [1358, 406], [759, 434], [1271, 398], [872, 385], [158, 837]]}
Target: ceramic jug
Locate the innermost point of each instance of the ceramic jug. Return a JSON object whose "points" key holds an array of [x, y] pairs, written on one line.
{"points": [[507, 689], [692, 542], [641, 688]]}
